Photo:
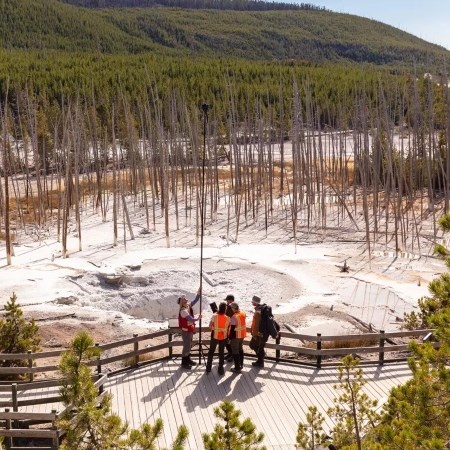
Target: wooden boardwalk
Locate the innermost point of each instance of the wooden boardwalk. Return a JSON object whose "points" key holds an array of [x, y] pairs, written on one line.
{"points": [[276, 398]]}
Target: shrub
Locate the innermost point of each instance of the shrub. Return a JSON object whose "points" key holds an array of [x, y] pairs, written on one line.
{"points": [[17, 335]]}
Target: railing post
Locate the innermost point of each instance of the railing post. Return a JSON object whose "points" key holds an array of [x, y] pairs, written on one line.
{"points": [[99, 364], [170, 347], [30, 366], [15, 402], [55, 440], [136, 348], [100, 388], [9, 439], [381, 354], [319, 348], [278, 352]]}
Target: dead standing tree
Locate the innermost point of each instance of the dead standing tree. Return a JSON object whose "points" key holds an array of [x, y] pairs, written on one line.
{"points": [[376, 188], [4, 201]]}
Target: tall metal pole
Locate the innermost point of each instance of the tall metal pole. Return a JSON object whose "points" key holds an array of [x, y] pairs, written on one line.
{"points": [[205, 109]]}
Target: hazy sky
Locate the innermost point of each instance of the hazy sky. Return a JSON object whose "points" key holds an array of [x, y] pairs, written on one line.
{"points": [[427, 19]]}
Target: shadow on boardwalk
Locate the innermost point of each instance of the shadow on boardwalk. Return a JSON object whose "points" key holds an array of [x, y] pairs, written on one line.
{"points": [[276, 397]]}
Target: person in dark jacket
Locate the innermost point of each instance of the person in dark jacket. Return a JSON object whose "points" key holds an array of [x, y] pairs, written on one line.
{"points": [[263, 326], [259, 335]]}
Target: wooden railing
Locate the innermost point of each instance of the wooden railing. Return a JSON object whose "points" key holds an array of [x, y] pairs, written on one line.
{"points": [[17, 423], [310, 346], [313, 349], [375, 344]]}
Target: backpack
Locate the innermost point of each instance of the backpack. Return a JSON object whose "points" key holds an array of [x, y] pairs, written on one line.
{"points": [[270, 324]]}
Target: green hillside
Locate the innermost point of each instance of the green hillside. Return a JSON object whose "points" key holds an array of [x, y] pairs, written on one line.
{"points": [[305, 35], [52, 25]]}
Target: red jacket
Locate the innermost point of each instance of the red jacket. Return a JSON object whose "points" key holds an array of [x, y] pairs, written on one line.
{"points": [[185, 324]]}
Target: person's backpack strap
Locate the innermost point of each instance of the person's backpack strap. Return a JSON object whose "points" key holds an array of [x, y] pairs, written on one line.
{"points": [[277, 325]]}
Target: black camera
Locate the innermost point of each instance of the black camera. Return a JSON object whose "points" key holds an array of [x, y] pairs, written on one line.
{"points": [[214, 307]]}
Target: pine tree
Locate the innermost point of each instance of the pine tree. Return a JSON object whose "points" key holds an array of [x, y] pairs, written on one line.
{"points": [[88, 422], [146, 437], [234, 435], [353, 410], [439, 300], [17, 335], [311, 434], [417, 414]]}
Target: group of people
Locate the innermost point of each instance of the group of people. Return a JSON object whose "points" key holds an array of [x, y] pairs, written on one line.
{"points": [[228, 330]]}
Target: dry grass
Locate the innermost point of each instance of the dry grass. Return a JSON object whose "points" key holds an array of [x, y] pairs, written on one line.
{"points": [[129, 362], [29, 205], [353, 343]]}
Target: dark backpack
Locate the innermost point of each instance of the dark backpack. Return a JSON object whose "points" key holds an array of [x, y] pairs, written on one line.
{"points": [[270, 324]]}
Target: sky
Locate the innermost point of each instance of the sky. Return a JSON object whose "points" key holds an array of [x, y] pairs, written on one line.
{"points": [[427, 19]]}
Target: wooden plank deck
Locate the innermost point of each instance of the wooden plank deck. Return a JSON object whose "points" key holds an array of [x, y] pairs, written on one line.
{"points": [[276, 398], [26, 394]]}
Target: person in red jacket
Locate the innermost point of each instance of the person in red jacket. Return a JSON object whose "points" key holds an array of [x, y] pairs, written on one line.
{"points": [[186, 321]]}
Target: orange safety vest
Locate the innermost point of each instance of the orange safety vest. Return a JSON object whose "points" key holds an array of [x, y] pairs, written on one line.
{"points": [[241, 328], [256, 320], [221, 324]]}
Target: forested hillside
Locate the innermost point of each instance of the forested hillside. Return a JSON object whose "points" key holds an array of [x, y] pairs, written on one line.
{"points": [[239, 5], [51, 25], [300, 35]]}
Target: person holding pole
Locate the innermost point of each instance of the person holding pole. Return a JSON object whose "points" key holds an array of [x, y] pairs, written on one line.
{"points": [[219, 325], [186, 321]]}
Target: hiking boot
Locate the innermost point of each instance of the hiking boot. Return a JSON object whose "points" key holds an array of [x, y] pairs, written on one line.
{"points": [[220, 370], [237, 366], [258, 364], [185, 363], [190, 361]]}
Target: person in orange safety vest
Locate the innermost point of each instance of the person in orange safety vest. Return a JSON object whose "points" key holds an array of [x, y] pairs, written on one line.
{"points": [[238, 331], [220, 327]]}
